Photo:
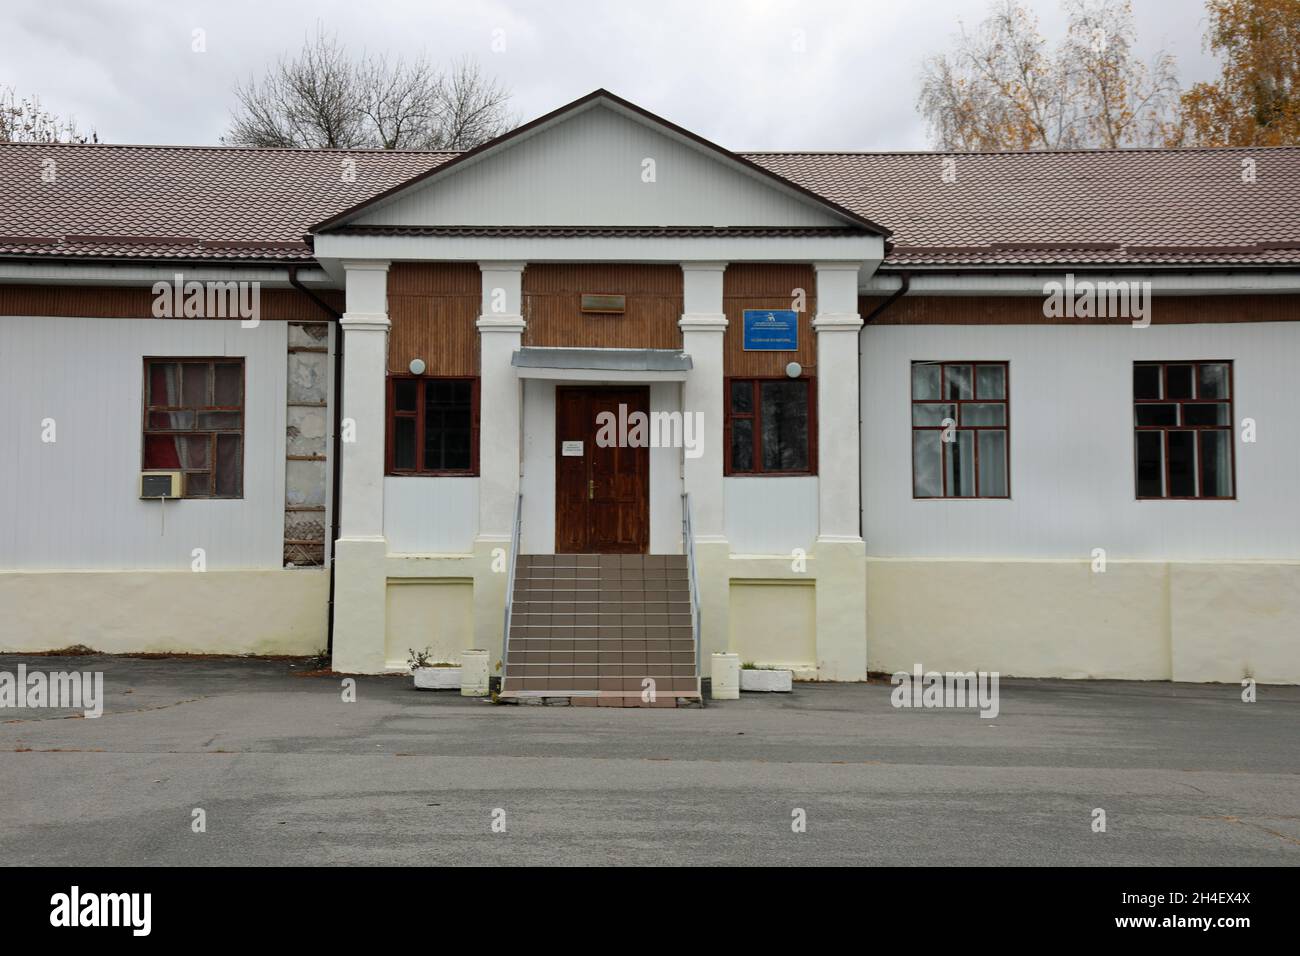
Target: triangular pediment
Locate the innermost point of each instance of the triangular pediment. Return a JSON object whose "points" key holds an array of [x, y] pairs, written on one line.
{"points": [[600, 161]]}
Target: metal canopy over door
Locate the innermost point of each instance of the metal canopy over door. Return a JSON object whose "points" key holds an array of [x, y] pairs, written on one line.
{"points": [[602, 494]]}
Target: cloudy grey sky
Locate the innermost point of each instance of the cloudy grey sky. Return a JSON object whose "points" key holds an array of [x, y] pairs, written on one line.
{"points": [[725, 70]]}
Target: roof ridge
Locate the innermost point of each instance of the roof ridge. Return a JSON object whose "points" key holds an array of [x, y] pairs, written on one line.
{"points": [[1014, 152], [239, 149]]}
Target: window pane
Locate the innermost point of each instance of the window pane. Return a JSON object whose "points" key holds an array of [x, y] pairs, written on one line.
{"points": [[171, 421], [404, 443], [978, 413], [447, 424], [990, 381], [926, 480], [993, 463], [959, 465], [193, 450], [194, 381], [742, 397], [1155, 414], [1182, 464], [229, 386], [1178, 381], [1212, 382], [1207, 414], [1150, 464], [229, 466], [924, 413], [404, 394], [218, 420], [1216, 464], [1146, 381], [163, 388], [957, 381], [783, 416], [925, 380], [742, 444], [160, 451], [198, 484]]}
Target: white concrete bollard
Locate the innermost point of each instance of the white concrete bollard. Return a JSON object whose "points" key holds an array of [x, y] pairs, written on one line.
{"points": [[474, 673], [726, 677]]}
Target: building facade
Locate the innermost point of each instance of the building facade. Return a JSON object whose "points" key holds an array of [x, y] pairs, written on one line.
{"points": [[601, 380]]}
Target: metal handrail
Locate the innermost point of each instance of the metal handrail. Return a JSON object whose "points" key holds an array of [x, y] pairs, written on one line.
{"points": [[688, 539], [510, 582]]}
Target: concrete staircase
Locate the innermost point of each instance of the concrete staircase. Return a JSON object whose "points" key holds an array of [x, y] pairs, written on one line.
{"points": [[591, 629]]}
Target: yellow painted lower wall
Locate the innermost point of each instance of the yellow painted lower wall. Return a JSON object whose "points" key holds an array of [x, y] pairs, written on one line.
{"points": [[774, 622], [434, 613], [122, 612], [1143, 620]]}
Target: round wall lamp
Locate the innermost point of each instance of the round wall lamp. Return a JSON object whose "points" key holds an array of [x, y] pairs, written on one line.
{"points": [[794, 370], [417, 366]]}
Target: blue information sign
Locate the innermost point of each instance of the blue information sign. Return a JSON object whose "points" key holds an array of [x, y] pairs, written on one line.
{"points": [[771, 330]]}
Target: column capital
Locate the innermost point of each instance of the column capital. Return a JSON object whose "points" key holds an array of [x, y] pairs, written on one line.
{"points": [[851, 266], [501, 323], [365, 265], [703, 322], [836, 322], [704, 266], [364, 322]]}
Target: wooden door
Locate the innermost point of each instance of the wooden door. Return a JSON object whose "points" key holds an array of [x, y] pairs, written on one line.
{"points": [[602, 494]]}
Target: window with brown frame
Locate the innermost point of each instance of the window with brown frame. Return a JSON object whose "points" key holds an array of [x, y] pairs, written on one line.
{"points": [[771, 426], [194, 423], [432, 425], [961, 430], [1182, 423]]}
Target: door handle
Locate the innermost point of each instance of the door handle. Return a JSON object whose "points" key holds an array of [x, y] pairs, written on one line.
{"points": [[591, 489]]}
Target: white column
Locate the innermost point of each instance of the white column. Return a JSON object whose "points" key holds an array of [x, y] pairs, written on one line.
{"points": [[837, 325], [360, 578], [703, 324], [501, 327]]}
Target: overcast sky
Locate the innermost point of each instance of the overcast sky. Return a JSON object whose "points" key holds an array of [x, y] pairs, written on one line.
{"points": [[726, 70]]}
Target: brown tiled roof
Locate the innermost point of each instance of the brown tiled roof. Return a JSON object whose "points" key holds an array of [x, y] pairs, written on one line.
{"points": [[1104, 208], [1144, 207], [612, 232], [180, 202]]}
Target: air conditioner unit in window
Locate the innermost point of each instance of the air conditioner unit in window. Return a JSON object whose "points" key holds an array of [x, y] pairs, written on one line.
{"points": [[161, 484]]}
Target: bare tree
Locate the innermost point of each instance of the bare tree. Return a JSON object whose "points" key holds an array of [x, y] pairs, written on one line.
{"points": [[1002, 88], [25, 120], [326, 97]]}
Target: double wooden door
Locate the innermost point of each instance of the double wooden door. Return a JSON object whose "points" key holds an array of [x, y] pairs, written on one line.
{"points": [[602, 490]]}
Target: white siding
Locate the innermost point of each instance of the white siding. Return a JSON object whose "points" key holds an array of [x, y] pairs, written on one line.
{"points": [[587, 170], [429, 515], [1072, 481], [771, 515], [73, 504]]}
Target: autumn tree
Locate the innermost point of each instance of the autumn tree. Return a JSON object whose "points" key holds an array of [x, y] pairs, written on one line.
{"points": [[327, 97], [1003, 87], [24, 120], [1256, 99]]}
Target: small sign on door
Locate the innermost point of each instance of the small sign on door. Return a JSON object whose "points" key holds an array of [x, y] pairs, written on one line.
{"points": [[571, 449]]}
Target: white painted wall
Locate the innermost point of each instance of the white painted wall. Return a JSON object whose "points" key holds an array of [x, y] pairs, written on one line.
{"points": [[771, 516], [430, 515], [74, 504], [587, 170], [1072, 446], [537, 533]]}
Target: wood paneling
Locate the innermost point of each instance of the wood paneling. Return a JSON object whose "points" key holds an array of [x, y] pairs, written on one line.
{"points": [[433, 307], [762, 286], [136, 302], [1028, 310], [552, 306]]}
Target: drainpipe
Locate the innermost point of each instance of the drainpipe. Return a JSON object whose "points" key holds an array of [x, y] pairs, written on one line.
{"points": [[905, 284], [336, 450]]}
